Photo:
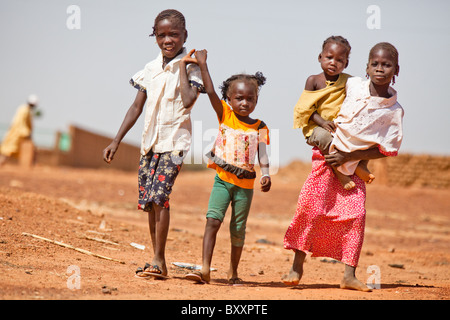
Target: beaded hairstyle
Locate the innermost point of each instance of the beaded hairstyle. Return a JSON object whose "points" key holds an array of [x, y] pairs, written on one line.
{"points": [[257, 80], [172, 15]]}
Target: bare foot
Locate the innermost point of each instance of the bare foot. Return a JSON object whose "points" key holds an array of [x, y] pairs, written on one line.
{"points": [[346, 181], [296, 272], [363, 172], [354, 284], [293, 278]]}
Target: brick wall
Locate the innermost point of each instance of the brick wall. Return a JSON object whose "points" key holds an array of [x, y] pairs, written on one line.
{"points": [[86, 151], [413, 170], [405, 170]]}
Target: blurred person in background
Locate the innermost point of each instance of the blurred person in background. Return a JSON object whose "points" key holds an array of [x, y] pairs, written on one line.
{"points": [[19, 131]]}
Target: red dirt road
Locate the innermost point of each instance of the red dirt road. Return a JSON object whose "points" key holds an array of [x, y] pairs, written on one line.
{"points": [[407, 240]]}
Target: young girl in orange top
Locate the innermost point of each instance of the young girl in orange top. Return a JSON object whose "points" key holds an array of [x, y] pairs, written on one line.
{"points": [[239, 140]]}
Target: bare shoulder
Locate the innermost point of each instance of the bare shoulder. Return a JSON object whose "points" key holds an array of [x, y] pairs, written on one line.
{"points": [[315, 82]]}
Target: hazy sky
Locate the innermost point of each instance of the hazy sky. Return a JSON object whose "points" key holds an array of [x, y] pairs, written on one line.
{"points": [[81, 75]]}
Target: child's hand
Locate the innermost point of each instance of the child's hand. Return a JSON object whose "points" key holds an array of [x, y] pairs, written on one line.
{"points": [[188, 58], [265, 183], [330, 126], [109, 151], [201, 56]]}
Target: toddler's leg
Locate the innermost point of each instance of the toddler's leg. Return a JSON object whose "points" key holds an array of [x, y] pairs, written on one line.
{"points": [[363, 172], [346, 181], [321, 139], [296, 272]]}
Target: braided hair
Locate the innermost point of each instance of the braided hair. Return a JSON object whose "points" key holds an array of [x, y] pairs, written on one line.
{"points": [[172, 15], [338, 40], [258, 79]]}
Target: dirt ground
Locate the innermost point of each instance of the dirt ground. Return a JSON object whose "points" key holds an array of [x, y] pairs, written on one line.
{"points": [[406, 243]]}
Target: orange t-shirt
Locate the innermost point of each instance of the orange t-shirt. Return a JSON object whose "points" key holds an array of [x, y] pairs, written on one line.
{"points": [[236, 148]]}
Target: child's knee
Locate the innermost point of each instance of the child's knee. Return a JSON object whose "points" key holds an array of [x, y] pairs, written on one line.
{"points": [[237, 234], [213, 223], [237, 241]]}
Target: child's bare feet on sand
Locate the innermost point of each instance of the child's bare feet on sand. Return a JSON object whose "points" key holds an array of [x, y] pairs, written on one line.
{"points": [[363, 172]]}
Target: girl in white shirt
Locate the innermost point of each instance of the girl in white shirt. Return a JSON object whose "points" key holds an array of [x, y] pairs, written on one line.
{"points": [[370, 115], [169, 87]]}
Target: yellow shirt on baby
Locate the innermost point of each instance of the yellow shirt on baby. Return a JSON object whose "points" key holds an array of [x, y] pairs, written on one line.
{"points": [[326, 102], [236, 147]]}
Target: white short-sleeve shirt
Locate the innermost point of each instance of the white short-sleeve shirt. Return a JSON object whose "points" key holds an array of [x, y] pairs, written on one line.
{"points": [[167, 125], [365, 121]]}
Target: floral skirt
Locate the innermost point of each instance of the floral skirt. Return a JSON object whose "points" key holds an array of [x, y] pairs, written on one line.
{"points": [[157, 174], [329, 220]]}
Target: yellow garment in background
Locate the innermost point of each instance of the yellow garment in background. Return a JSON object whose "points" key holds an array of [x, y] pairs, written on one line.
{"points": [[326, 102], [20, 129]]}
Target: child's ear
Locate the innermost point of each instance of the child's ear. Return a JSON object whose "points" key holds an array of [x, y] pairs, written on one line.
{"points": [[185, 35], [319, 57], [398, 70]]}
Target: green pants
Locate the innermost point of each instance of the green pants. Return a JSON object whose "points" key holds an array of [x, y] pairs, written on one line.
{"points": [[224, 193]]}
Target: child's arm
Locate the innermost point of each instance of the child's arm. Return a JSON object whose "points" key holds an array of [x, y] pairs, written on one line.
{"points": [[132, 115], [339, 158], [188, 93], [200, 60], [330, 126], [264, 165], [311, 85]]}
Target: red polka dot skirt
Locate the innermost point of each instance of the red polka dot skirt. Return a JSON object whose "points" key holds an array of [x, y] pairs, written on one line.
{"points": [[329, 220]]}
